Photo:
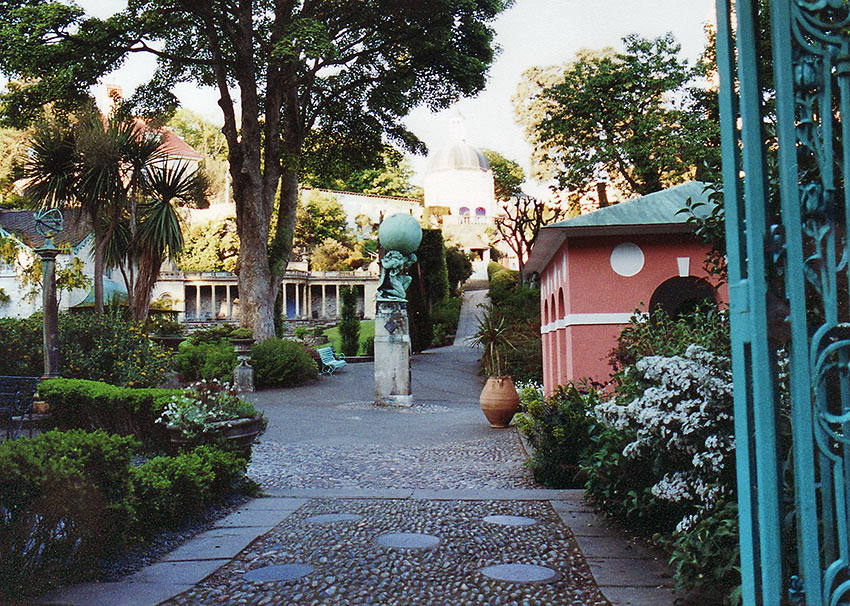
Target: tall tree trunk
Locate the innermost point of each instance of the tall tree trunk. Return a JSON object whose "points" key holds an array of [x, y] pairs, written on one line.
{"points": [[149, 266], [99, 243]]}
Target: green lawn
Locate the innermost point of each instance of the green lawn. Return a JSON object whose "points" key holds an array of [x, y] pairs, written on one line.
{"points": [[367, 329]]}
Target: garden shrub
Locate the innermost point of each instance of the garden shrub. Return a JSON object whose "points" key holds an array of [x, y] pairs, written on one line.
{"points": [[445, 315], [205, 360], [282, 363], [519, 304], [681, 420], [168, 490], [367, 348], [97, 347], [559, 428], [65, 500], [22, 344], [93, 405], [706, 558], [349, 326], [213, 334]]}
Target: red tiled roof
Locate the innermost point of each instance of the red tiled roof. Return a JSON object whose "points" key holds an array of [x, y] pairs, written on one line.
{"points": [[175, 147], [22, 224]]}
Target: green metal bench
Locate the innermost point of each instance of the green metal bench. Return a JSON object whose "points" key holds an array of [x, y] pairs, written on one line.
{"points": [[330, 362]]}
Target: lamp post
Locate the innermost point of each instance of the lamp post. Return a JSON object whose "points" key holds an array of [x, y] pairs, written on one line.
{"points": [[47, 223]]}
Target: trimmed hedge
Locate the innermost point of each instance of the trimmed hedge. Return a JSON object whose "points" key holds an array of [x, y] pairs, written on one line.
{"points": [[92, 405], [65, 500], [197, 476], [68, 499]]}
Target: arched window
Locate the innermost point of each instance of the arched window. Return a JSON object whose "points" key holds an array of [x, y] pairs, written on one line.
{"points": [[464, 211], [678, 296], [480, 212]]}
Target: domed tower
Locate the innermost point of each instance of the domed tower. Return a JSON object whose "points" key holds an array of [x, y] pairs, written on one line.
{"points": [[459, 177]]}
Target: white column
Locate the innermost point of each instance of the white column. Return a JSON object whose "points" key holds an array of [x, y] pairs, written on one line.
{"points": [[324, 302], [229, 304], [297, 302], [309, 305], [213, 311], [197, 301], [337, 300]]}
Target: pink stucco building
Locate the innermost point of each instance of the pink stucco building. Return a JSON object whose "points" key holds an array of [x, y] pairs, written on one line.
{"points": [[596, 269]]}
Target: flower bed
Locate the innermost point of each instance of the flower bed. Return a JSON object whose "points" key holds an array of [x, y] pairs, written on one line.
{"points": [[658, 453]]}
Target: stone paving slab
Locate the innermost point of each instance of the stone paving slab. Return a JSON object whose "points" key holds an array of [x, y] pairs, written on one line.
{"points": [[341, 493], [215, 544], [613, 547], [177, 573], [121, 593], [272, 503], [629, 572], [585, 523], [639, 596], [253, 518]]}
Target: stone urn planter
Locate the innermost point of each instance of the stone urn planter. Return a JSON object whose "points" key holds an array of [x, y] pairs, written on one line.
{"points": [[243, 374], [499, 401], [168, 342], [238, 434]]}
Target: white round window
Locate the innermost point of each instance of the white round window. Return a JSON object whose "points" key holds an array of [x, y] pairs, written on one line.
{"points": [[627, 259]]}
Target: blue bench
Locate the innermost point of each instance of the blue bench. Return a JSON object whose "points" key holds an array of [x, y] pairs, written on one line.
{"points": [[330, 361]]}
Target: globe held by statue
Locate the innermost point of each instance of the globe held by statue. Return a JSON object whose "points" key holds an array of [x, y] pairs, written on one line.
{"points": [[400, 232]]}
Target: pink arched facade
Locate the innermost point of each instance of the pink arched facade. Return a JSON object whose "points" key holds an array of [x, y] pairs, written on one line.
{"points": [[587, 295]]}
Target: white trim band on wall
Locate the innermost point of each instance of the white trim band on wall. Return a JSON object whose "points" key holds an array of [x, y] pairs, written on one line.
{"points": [[588, 320]]}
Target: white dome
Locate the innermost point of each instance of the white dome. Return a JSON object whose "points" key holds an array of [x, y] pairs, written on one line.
{"points": [[458, 155]]}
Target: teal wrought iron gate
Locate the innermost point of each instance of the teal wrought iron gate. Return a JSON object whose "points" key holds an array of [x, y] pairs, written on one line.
{"points": [[785, 119]]}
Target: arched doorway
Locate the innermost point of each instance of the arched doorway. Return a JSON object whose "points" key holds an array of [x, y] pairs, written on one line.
{"points": [[678, 296]]}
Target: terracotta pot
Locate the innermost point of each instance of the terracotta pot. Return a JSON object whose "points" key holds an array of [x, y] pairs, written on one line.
{"points": [[499, 401]]}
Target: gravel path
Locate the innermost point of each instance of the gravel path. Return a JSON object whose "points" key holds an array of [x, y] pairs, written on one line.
{"points": [[349, 567]]}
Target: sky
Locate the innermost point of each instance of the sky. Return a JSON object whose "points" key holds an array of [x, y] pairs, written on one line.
{"points": [[531, 32]]}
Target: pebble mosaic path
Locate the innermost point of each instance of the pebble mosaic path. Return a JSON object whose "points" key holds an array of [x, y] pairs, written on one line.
{"points": [[351, 567]]}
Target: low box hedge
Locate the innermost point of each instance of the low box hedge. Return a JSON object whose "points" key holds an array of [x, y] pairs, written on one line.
{"points": [[92, 405], [65, 500], [69, 499]]}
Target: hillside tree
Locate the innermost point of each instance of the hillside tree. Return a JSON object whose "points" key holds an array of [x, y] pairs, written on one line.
{"points": [[635, 118], [508, 175], [315, 80]]}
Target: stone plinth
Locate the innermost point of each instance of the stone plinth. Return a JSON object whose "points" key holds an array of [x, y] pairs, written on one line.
{"points": [[392, 354]]}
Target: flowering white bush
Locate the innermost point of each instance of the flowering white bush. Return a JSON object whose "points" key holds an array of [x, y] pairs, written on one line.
{"points": [[683, 417]]}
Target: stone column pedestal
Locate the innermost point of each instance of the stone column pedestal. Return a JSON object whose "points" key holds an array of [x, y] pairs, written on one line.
{"points": [[51, 313], [392, 355]]}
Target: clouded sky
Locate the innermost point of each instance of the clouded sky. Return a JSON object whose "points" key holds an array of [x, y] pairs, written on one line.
{"points": [[532, 32]]}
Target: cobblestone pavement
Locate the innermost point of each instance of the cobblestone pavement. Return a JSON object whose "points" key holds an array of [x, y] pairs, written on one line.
{"points": [[349, 567], [496, 462]]}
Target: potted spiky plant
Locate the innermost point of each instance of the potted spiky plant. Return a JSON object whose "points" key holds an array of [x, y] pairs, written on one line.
{"points": [[499, 400]]}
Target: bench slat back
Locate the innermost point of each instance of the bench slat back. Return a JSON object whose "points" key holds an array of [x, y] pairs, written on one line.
{"points": [[327, 354]]}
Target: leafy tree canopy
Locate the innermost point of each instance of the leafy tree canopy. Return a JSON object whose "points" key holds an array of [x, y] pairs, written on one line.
{"points": [[508, 175], [634, 118], [212, 246], [13, 146], [302, 85], [320, 217], [388, 175]]}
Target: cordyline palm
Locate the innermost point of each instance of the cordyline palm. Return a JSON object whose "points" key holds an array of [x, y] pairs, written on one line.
{"points": [[159, 235], [95, 164]]}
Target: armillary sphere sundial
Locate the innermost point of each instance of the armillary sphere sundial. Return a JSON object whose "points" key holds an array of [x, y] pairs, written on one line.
{"points": [[48, 222]]}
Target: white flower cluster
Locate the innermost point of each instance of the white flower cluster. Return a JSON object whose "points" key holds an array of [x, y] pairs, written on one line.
{"points": [[684, 412]]}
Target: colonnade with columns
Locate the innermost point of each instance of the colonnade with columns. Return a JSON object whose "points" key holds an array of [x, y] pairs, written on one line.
{"points": [[213, 297]]}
